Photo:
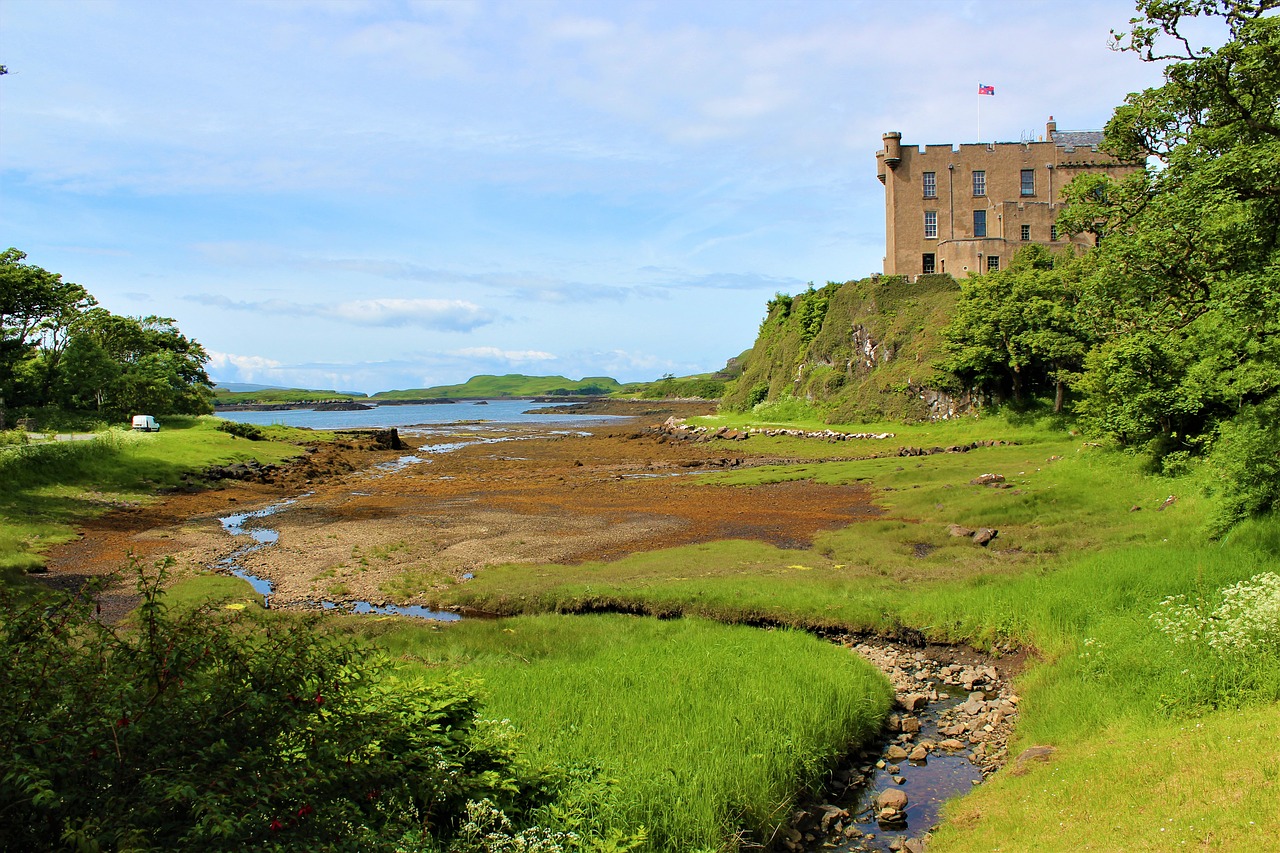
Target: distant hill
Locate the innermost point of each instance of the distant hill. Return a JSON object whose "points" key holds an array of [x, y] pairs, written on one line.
{"points": [[512, 385], [228, 395], [861, 350]]}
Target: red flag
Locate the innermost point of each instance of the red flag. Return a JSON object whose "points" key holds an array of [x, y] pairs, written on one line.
{"points": [[986, 90]]}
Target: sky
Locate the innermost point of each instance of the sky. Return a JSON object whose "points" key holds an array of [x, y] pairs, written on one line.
{"points": [[365, 196]]}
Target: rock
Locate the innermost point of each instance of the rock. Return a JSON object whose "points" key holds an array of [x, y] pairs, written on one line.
{"points": [[913, 845], [1168, 502], [891, 798], [983, 535], [913, 701], [899, 780], [911, 724], [1034, 753], [957, 530], [987, 480], [896, 753], [951, 743], [919, 754], [1135, 508], [831, 814]]}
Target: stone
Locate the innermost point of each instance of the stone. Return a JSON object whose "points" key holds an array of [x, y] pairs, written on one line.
{"points": [[951, 743], [957, 530], [891, 798], [1031, 754], [919, 754], [899, 780], [896, 753], [913, 701], [830, 815], [911, 724], [987, 479], [983, 535], [913, 845]]}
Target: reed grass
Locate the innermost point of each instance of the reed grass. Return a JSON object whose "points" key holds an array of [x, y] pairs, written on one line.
{"points": [[707, 730]]}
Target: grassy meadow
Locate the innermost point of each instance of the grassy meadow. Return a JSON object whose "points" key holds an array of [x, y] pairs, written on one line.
{"points": [[1153, 665], [50, 486], [1084, 566]]}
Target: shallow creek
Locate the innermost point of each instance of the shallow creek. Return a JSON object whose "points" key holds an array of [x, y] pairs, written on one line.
{"points": [[950, 726]]}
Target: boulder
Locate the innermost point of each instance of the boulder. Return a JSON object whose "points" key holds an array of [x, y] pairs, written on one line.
{"points": [[891, 798], [983, 535], [987, 480], [896, 753], [913, 701]]}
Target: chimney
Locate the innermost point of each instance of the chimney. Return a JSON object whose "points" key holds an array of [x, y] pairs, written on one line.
{"points": [[1050, 128]]}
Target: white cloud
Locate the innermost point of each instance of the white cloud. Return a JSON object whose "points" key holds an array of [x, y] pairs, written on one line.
{"points": [[510, 356], [456, 315]]}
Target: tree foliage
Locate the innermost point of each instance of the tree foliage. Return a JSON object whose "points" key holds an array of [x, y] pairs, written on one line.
{"points": [[212, 730], [59, 348], [1185, 292], [1014, 332]]}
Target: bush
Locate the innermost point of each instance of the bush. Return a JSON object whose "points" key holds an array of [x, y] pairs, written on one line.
{"points": [[242, 430], [213, 730]]}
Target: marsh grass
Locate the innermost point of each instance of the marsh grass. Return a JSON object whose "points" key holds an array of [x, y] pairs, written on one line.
{"points": [[706, 729]]}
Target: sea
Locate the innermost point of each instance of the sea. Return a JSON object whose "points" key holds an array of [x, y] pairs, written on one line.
{"points": [[426, 417]]}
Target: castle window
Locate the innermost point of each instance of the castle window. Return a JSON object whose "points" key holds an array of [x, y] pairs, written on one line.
{"points": [[993, 263], [1028, 181], [979, 223], [931, 225], [929, 180], [1053, 233], [927, 263], [979, 183], [1026, 232]]}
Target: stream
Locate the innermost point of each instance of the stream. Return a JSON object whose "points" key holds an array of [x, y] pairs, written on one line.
{"points": [[953, 717]]}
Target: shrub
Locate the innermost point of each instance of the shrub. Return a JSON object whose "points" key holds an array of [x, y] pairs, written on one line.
{"points": [[210, 729], [242, 430]]}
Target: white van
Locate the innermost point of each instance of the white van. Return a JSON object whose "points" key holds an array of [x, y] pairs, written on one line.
{"points": [[146, 423]]}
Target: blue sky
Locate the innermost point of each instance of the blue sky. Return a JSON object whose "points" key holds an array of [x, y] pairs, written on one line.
{"points": [[377, 195]]}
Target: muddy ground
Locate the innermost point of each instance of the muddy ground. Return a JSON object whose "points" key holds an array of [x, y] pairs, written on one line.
{"points": [[370, 525]]}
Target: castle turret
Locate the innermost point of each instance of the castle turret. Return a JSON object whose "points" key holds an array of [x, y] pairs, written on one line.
{"points": [[892, 149]]}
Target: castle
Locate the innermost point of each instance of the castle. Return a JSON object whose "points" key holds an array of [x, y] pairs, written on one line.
{"points": [[967, 209]]}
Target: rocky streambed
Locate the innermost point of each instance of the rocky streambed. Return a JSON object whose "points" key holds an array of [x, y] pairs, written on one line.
{"points": [[950, 729]]}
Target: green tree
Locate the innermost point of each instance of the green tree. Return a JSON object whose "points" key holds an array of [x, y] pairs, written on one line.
{"points": [[130, 364], [1185, 293], [36, 307], [1015, 332]]}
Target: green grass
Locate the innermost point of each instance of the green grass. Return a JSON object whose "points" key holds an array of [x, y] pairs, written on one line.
{"points": [[1158, 743], [707, 729], [52, 486]]}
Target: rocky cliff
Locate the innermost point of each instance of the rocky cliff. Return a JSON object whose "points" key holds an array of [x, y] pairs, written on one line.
{"points": [[861, 350]]}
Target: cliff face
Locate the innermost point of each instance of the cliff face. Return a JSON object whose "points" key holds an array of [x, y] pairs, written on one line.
{"points": [[862, 350]]}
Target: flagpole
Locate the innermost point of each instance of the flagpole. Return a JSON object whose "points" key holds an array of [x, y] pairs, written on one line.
{"points": [[979, 114]]}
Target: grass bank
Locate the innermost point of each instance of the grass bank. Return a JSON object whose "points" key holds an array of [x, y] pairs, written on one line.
{"points": [[700, 733], [50, 486]]}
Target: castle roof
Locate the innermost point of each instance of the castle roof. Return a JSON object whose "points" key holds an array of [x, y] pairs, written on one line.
{"points": [[1077, 138]]}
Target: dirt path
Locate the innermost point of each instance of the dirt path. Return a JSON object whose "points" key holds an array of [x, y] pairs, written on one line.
{"points": [[395, 532]]}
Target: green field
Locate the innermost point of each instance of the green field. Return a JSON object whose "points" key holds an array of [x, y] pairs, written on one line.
{"points": [[50, 486], [1162, 710]]}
